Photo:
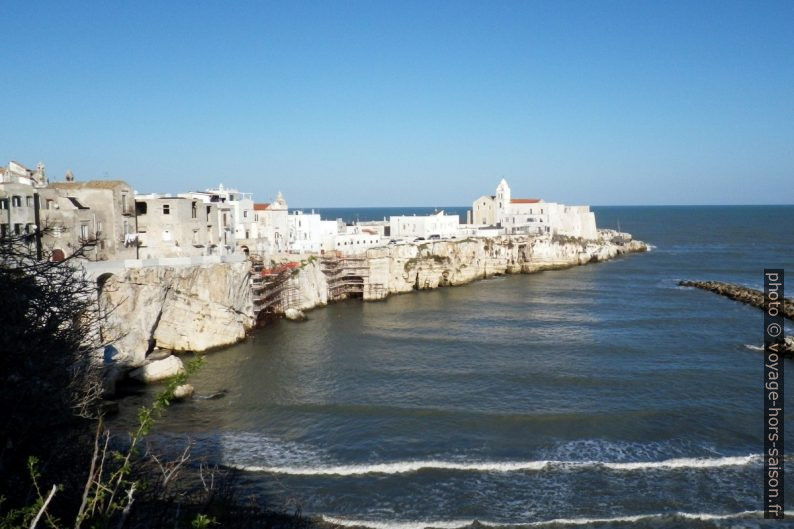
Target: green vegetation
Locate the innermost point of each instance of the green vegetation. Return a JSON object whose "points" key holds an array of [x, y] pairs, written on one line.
{"points": [[60, 464]]}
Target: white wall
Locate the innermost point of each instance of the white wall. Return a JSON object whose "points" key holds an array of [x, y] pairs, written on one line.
{"points": [[424, 226]]}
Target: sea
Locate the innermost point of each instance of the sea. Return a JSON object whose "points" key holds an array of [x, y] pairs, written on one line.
{"points": [[598, 396]]}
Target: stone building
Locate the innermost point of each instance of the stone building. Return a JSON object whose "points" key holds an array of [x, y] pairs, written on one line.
{"points": [[66, 224], [175, 226], [112, 203]]}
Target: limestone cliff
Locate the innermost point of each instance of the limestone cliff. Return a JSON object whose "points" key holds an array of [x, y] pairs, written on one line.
{"points": [[311, 285], [190, 308], [404, 267]]}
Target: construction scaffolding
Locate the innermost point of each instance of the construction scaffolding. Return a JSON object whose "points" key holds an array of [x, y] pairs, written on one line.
{"points": [[273, 289], [347, 276]]}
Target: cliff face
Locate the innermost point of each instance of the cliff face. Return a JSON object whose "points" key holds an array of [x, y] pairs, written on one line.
{"points": [[200, 307], [183, 309], [312, 286], [402, 268]]}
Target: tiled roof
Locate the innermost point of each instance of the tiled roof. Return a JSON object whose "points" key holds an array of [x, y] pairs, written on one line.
{"points": [[524, 200], [261, 207]]}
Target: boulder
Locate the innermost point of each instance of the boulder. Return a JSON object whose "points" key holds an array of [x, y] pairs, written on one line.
{"points": [[294, 315], [185, 391], [158, 354], [159, 370]]}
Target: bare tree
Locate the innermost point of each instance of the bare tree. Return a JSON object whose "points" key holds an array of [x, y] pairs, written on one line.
{"points": [[49, 338]]}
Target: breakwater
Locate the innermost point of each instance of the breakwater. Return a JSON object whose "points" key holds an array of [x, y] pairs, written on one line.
{"points": [[748, 296]]}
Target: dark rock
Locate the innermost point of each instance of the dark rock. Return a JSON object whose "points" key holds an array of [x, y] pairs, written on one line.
{"points": [[739, 293]]}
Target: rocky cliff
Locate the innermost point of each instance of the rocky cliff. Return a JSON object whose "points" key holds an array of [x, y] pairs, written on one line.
{"points": [[192, 308], [404, 267], [195, 308]]}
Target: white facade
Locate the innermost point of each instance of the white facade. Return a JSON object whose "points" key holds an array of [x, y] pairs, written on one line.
{"points": [[532, 215], [405, 226], [357, 239], [271, 226], [308, 233]]}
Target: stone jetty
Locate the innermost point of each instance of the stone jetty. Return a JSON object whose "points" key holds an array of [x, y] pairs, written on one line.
{"points": [[739, 293]]}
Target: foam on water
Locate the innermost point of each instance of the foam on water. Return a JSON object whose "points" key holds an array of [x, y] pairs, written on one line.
{"points": [[456, 524], [404, 467]]}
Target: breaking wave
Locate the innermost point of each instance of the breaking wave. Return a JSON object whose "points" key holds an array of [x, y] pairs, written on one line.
{"points": [[404, 467], [459, 524]]}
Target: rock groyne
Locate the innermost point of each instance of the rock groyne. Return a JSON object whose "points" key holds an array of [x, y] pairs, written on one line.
{"points": [[748, 296]]}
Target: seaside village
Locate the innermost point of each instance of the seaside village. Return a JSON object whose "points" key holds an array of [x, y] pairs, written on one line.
{"points": [[225, 221], [130, 229]]}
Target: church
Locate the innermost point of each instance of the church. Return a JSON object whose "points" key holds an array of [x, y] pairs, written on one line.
{"points": [[532, 216]]}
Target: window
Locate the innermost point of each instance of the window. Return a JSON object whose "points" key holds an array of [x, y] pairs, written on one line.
{"points": [[246, 234], [17, 229], [29, 201], [245, 213], [166, 209], [49, 204], [195, 233], [123, 204], [193, 211], [224, 220], [99, 226], [29, 229], [140, 208], [209, 208], [16, 201], [84, 230], [3, 203], [3, 230]]}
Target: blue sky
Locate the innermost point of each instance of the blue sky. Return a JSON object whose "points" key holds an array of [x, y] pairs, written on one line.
{"points": [[408, 103]]}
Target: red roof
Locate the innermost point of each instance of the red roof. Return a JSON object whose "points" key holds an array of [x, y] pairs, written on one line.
{"points": [[524, 200], [261, 207]]}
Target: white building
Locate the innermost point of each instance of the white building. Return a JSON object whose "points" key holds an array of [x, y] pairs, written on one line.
{"points": [[532, 215], [308, 233], [437, 224], [271, 227], [353, 240], [235, 211]]}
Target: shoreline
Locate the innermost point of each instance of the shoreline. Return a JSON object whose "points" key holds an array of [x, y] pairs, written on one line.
{"points": [[164, 311]]}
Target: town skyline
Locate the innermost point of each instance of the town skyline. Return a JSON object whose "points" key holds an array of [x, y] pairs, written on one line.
{"points": [[416, 105]]}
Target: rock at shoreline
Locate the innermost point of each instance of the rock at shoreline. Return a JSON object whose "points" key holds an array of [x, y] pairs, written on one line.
{"points": [[788, 347], [158, 354], [294, 315], [158, 370], [739, 293], [185, 391]]}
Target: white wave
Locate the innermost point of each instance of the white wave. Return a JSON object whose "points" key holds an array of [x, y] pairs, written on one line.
{"points": [[400, 467], [687, 462], [754, 347], [456, 524], [403, 467]]}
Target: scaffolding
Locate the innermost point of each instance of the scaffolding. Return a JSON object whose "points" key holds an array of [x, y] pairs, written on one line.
{"points": [[347, 276], [273, 289]]}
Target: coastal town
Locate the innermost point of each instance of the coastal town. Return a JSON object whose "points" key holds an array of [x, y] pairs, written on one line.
{"points": [[197, 270], [225, 221]]}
